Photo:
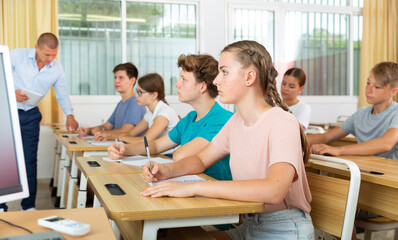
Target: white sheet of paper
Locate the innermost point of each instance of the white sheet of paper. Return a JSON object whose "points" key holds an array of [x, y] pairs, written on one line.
{"points": [[101, 143], [140, 160], [87, 137], [182, 179], [34, 97]]}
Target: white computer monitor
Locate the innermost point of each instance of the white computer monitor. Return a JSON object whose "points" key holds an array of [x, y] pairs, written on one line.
{"points": [[13, 181]]}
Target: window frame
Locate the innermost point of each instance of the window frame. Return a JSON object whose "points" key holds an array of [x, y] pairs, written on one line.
{"points": [[124, 30], [280, 8], [123, 17]]}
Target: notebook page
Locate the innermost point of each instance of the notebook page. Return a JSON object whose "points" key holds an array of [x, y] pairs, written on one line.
{"points": [[182, 179], [101, 143], [126, 158], [142, 162], [139, 160]]}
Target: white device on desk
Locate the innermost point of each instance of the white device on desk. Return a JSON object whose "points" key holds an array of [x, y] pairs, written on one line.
{"points": [[67, 226]]}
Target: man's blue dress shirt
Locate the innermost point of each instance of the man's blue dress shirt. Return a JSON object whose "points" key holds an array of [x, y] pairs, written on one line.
{"points": [[27, 76]]}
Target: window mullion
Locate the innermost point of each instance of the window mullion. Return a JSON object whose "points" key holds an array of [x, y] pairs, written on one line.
{"points": [[123, 13]]}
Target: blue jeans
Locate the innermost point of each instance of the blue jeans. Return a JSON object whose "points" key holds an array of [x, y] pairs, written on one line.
{"points": [[29, 122], [285, 224]]}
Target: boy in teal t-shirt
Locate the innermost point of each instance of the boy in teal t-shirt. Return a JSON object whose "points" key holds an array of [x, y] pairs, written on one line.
{"points": [[207, 127]]}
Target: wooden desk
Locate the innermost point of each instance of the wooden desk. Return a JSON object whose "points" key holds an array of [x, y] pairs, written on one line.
{"points": [[72, 147], [59, 128], [378, 193], [150, 214], [105, 168], [348, 140], [96, 217]]}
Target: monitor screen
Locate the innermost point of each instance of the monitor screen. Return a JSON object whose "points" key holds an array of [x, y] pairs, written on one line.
{"points": [[13, 183]]}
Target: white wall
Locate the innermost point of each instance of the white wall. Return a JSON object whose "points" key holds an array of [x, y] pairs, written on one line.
{"points": [[93, 110]]}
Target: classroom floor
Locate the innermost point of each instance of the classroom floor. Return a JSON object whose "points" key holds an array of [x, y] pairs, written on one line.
{"points": [[43, 198], [45, 201]]}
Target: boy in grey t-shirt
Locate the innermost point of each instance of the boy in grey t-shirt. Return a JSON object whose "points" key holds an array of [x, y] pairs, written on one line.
{"points": [[375, 127]]}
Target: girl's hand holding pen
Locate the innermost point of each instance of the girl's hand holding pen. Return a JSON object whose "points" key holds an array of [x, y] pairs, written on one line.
{"points": [[159, 172], [116, 151]]}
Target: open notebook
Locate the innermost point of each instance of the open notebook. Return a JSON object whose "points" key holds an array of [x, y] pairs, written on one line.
{"points": [[101, 143], [140, 160], [182, 179]]}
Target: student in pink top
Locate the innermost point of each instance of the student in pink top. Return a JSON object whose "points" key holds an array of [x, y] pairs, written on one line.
{"points": [[266, 145]]}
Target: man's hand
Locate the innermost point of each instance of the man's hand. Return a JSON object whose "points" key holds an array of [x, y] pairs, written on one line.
{"points": [[21, 97], [71, 123]]}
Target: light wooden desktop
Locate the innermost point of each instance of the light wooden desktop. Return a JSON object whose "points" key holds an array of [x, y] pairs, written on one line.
{"points": [[72, 147], [145, 215], [105, 168], [348, 140], [58, 128], [378, 193], [96, 217]]}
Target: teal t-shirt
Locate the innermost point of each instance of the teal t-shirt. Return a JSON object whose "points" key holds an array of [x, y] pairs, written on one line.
{"points": [[207, 127]]}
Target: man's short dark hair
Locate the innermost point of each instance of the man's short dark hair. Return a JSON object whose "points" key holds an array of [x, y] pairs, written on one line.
{"points": [[130, 69], [48, 39]]}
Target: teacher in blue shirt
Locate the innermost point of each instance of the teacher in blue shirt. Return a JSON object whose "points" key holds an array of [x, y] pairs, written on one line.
{"points": [[37, 70]]}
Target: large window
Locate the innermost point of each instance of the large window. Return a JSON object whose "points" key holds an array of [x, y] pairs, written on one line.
{"points": [[323, 37], [96, 35]]}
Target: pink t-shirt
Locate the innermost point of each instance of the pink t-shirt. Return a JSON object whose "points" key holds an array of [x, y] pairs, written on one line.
{"points": [[275, 137]]}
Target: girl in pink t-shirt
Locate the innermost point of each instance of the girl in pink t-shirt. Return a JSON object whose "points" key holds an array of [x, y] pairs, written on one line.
{"points": [[266, 146]]}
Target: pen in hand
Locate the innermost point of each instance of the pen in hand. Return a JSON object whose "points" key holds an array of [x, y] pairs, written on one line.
{"points": [[117, 145], [147, 153]]}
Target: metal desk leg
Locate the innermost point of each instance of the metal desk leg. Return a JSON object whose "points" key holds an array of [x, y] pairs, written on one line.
{"points": [[115, 229], [96, 202], [63, 183], [82, 196], [151, 227], [58, 149], [60, 176], [72, 180]]}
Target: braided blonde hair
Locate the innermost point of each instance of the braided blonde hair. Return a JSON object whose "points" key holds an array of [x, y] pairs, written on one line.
{"points": [[253, 54]]}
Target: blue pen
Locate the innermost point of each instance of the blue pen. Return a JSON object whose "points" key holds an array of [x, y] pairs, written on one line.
{"points": [[147, 153]]}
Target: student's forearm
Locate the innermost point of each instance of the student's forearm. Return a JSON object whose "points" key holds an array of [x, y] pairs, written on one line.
{"points": [[316, 138], [93, 130], [189, 165], [113, 133], [260, 190], [371, 147], [133, 140], [139, 149]]}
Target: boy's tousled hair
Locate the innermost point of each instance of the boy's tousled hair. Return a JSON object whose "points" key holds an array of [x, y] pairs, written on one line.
{"points": [[204, 67], [386, 73]]}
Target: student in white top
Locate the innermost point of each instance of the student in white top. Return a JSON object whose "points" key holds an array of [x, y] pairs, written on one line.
{"points": [[159, 118], [292, 84]]}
